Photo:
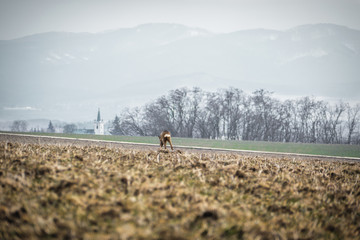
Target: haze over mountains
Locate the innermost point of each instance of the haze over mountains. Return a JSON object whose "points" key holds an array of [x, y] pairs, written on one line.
{"points": [[67, 76]]}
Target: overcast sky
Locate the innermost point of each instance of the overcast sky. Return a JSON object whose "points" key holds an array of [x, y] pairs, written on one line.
{"points": [[24, 17]]}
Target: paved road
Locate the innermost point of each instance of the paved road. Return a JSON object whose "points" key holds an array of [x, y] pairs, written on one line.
{"points": [[30, 139]]}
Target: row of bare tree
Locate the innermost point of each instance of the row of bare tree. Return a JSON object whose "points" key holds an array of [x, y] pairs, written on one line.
{"points": [[232, 114]]}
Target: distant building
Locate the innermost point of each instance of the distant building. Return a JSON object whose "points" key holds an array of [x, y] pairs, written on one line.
{"points": [[99, 128]]}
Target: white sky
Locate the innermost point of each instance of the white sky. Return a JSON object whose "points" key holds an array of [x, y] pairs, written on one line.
{"points": [[24, 17]]}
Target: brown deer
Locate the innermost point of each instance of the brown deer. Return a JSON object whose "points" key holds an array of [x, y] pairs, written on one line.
{"points": [[164, 137]]}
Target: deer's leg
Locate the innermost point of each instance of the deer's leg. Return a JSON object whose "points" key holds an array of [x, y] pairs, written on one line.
{"points": [[171, 144]]}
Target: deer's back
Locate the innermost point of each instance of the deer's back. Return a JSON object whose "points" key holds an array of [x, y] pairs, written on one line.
{"points": [[165, 134]]}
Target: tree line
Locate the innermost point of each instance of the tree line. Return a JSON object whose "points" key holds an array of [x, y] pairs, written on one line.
{"points": [[21, 126], [235, 115]]}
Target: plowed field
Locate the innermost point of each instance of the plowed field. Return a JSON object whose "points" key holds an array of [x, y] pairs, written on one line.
{"points": [[96, 191]]}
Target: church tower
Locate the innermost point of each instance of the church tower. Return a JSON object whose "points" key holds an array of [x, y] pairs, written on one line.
{"points": [[99, 125]]}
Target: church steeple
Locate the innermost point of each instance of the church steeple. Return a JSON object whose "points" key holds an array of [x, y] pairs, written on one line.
{"points": [[99, 128], [98, 117]]}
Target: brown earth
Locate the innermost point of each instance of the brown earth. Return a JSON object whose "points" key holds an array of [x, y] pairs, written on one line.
{"points": [[28, 139], [52, 188]]}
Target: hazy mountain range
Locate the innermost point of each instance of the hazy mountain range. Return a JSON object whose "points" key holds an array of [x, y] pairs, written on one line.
{"points": [[68, 76]]}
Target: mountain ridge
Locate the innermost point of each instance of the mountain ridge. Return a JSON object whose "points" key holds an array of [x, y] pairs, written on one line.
{"points": [[111, 31], [67, 70]]}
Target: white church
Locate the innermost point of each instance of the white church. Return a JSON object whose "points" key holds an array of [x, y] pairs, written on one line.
{"points": [[99, 128]]}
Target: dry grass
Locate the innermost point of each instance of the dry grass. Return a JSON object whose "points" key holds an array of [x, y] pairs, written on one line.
{"points": [[108, 193]]}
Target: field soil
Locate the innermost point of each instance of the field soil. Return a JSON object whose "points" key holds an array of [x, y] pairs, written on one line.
{"points": [[61, 141], [53, 188]]}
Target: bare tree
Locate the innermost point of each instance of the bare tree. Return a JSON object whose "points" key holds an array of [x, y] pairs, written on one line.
{"points": [[232, 114], [19, 126], [285, 118], [192, 110], [159, 116], [202, 126], [336, 113], [132, 123], [307, 115], [213, 108], [232, 103], [352, 120], [263, 114], [70, 128], [177, 100]]}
